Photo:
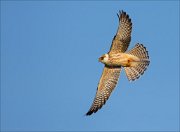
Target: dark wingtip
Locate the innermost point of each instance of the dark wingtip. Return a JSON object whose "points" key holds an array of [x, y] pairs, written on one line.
{"points": [[89, 113], [120, 13], [123, 14]]}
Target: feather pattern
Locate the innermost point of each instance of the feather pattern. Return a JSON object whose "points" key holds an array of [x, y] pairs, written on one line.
{"points": [[122, 38], [106, 85], [136, 71]]}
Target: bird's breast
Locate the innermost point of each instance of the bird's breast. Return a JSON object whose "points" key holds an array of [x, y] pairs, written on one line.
{"points": [[122, 59]]}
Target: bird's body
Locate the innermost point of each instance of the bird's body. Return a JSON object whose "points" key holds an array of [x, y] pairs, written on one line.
{"points": [[134, 62], [120, 59]]}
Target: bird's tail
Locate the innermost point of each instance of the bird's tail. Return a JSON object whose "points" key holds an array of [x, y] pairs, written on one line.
{"points": [[135, 71]]}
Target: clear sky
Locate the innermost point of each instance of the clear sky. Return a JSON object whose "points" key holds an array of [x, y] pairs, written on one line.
{"points": [[50, 68]]}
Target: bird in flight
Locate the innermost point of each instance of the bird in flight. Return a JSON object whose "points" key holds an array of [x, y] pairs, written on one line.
{"points": [[134, 62]]}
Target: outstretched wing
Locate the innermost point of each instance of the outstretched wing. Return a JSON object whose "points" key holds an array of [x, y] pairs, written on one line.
{"points": [[122, 38], [106, 85]]}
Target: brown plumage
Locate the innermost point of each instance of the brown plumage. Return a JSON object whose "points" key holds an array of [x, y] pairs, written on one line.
{"points": [[122, 38], [135, 62], [106, 85]]}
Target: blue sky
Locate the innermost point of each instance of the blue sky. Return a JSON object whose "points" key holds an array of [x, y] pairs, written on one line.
{"points": [[50, 68]]}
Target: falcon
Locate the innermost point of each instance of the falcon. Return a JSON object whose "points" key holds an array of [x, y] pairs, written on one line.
{"points": [[134, 62]]}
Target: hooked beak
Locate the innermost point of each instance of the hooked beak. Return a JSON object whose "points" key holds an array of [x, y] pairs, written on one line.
{"points": [[100, 59]]}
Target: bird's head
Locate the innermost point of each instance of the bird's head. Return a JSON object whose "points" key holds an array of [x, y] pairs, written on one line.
{"points": [[104, 58]]}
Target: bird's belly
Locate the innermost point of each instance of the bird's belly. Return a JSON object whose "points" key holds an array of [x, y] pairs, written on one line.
{"points": [[119, 62], [124, 60]]}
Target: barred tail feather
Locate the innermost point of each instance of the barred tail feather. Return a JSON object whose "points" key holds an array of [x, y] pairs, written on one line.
{"points": [[136, 71]]}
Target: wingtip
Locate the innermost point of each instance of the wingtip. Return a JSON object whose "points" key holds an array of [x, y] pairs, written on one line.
{"points": [[122, 14], [91, 111], [88, 113]]}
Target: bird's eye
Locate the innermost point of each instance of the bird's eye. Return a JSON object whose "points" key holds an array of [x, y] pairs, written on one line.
{"points": [[102, 58]]}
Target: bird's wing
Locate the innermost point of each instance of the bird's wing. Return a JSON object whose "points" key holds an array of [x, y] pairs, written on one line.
{"points": [[122, 38], [106, 85]]}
